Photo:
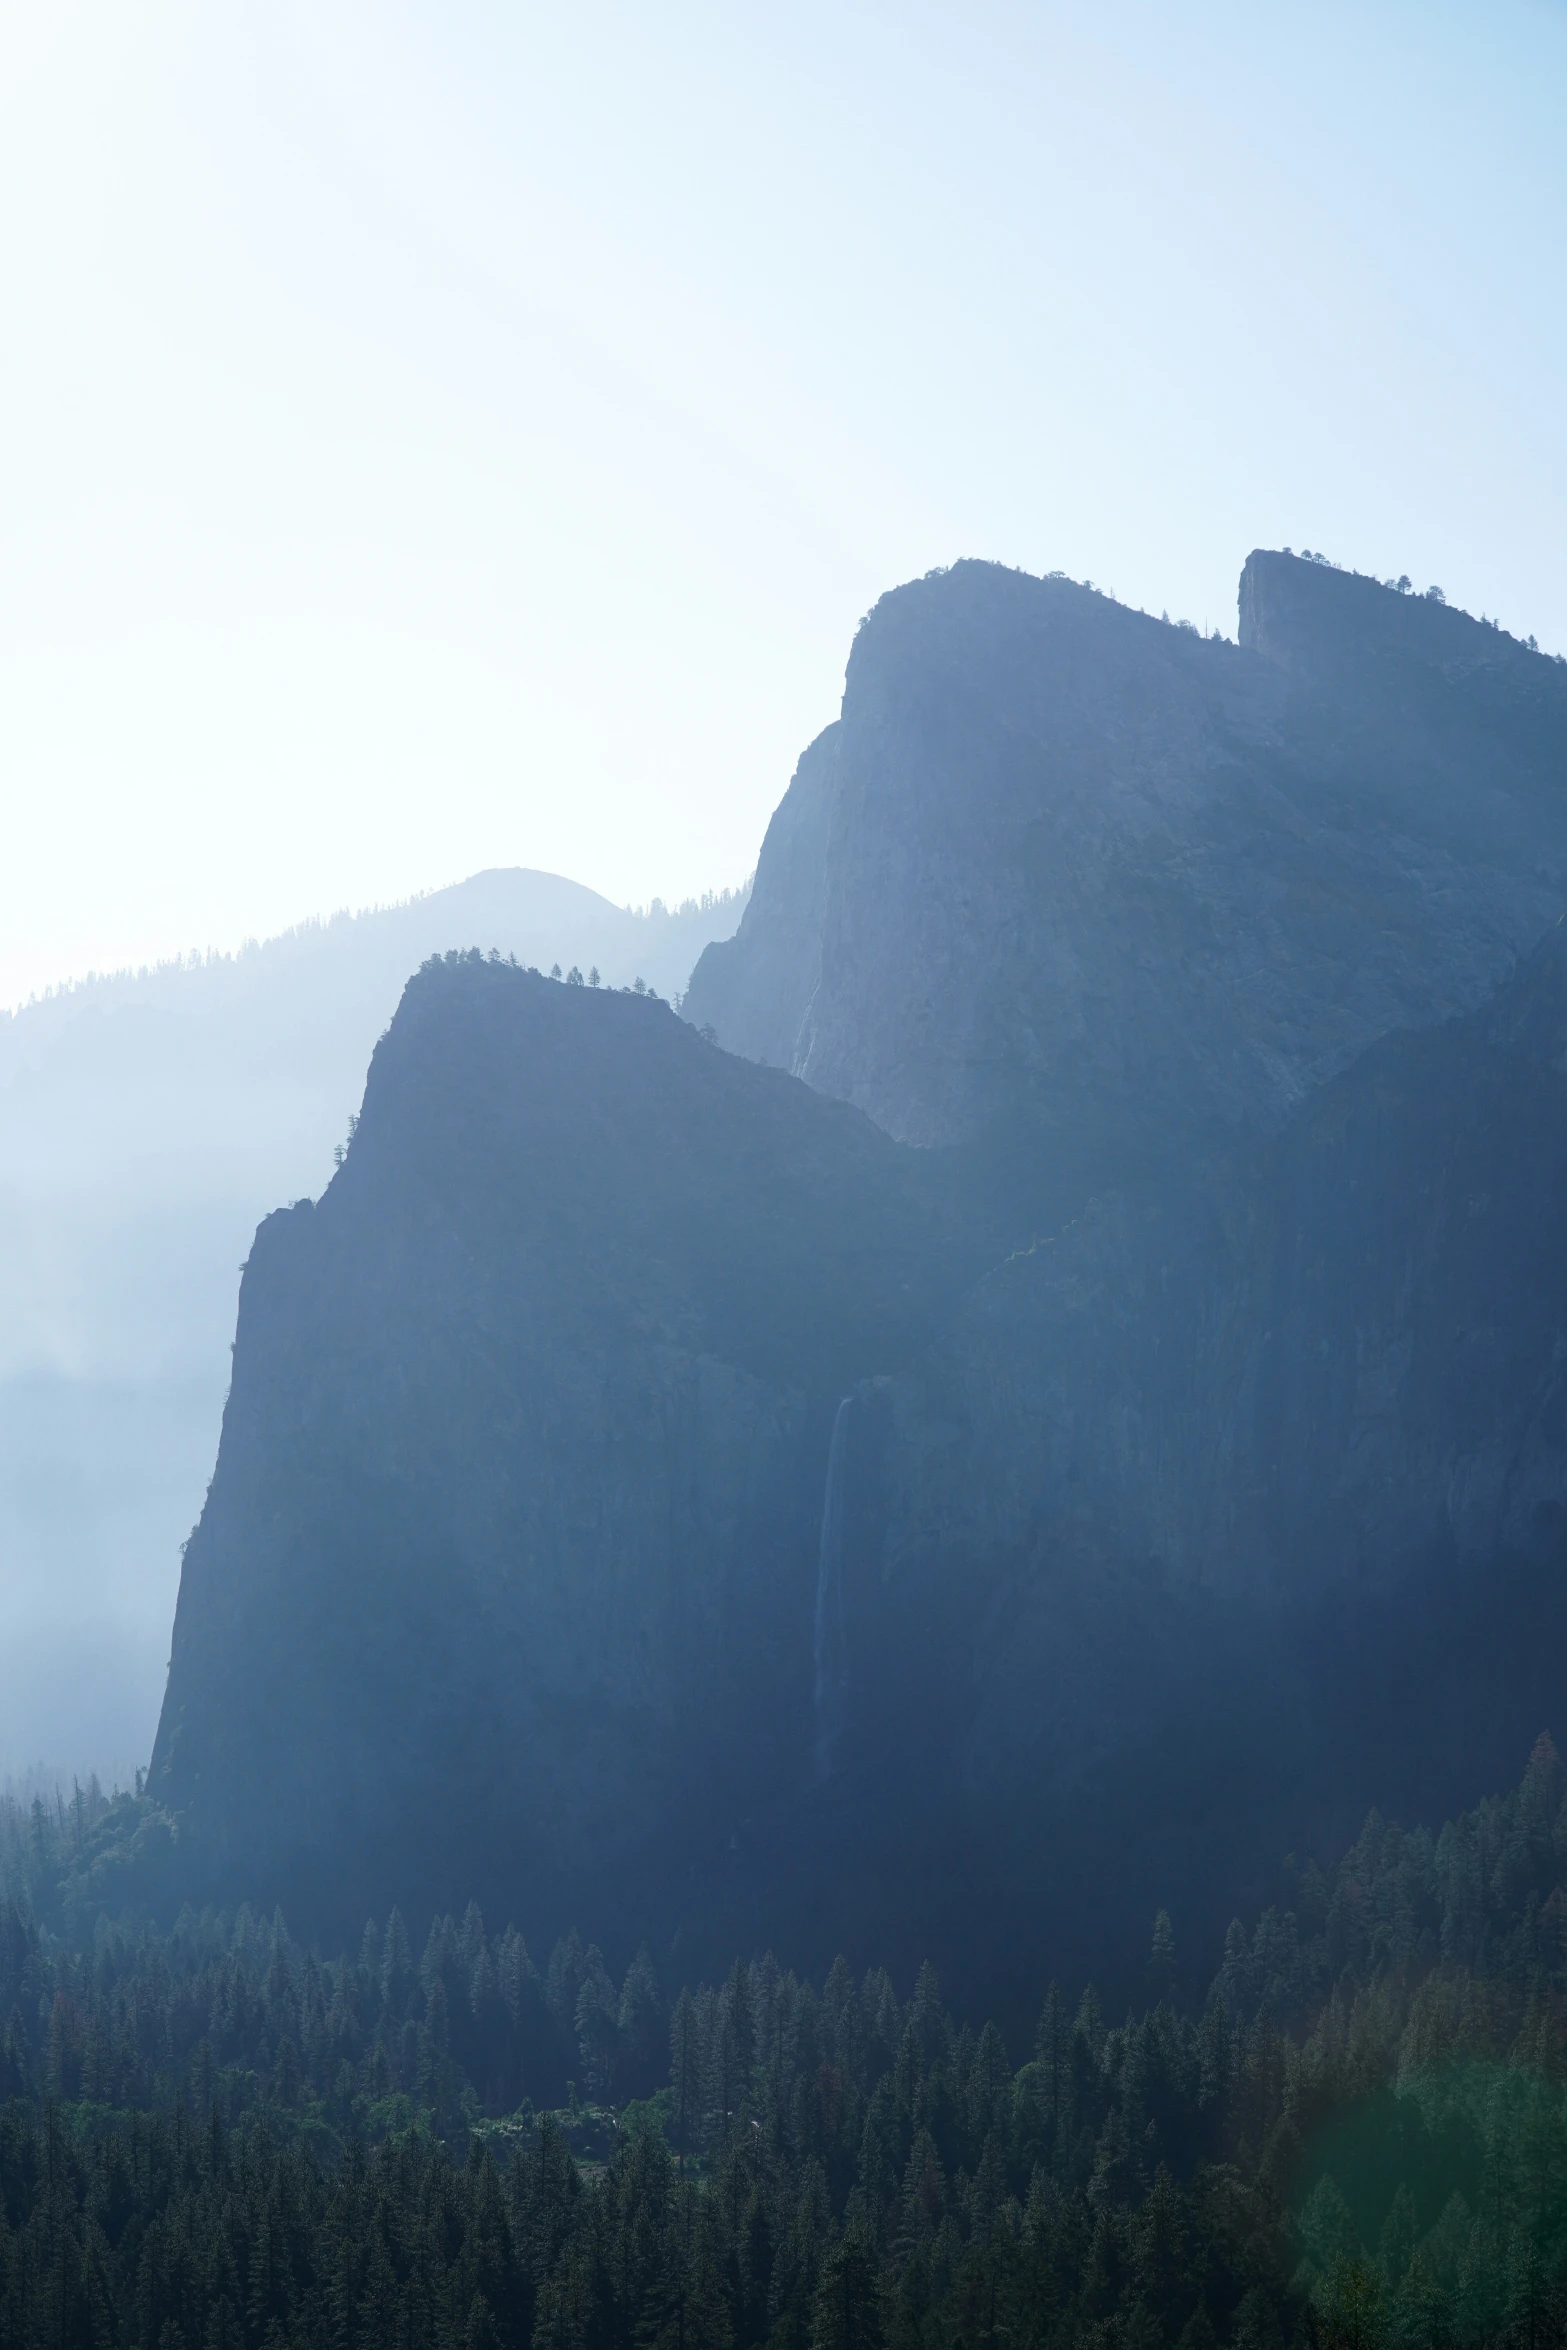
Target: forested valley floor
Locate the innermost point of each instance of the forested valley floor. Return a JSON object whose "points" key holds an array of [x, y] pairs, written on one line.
{"points": [[212, 2139]]}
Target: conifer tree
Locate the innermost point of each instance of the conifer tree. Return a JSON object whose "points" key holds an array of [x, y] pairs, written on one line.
{"points": [[846, 2314], [597, 2023], [641, 2017], [685, 2075], [1161, 1959], [397, 1970]]}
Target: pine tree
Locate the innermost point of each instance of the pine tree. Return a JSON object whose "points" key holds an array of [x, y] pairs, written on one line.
{"points": [[397, 1967], [641, 2018], [685, 2075], [597, 2023], [735, 2055], [1161, 1959], [1052, 2048], [846, 2314], [563, 1980]]}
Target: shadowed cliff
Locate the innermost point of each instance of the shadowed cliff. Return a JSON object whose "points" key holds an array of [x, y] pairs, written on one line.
{"points": [[653, 1495], [148, 1120], [505, 1579], [1062, 861]]}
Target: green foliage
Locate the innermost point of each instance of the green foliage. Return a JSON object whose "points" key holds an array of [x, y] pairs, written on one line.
{"points": [[212, 2136]]}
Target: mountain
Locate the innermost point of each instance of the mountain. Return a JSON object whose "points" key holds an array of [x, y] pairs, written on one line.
{"points": [[1061, 860], [147, 1121], [1099, 1393], [522, 1462]]}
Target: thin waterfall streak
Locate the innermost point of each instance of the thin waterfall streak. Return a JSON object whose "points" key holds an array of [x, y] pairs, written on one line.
{"points": [[831, 1648]]}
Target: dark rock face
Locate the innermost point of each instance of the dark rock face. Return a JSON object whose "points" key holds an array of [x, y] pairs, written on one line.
{"points": [[506, 1575], [1241, 1507], [1137, 882], [1192, 1318]]}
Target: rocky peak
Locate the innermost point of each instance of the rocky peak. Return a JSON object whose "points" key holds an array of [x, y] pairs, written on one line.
{"points": [[1069, 863]]}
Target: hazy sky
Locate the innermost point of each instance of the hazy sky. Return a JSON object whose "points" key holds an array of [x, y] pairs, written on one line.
{"points": [[449, 436]]}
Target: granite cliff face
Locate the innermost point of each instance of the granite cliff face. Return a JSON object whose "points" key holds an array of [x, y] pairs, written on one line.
{"points": [[147, 1121], [1119, 1437], [1298, 1443], [1080, 865], [506, 1574], [761, 988]]}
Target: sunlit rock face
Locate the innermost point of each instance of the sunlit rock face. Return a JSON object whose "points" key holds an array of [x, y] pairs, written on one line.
{"points": [[1162, 1152]]}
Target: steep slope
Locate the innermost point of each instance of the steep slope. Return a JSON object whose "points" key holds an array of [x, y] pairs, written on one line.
{"points": [[649, 1497], [1083, 866], [147, 1122], [763, 983], [506, 1579], [655, 1494], [1224, 1514], [1252, 1460]]}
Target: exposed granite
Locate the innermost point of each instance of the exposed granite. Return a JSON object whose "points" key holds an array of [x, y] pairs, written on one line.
{"points": [[505, 1575], [1086, 863], [1204, 1471]]}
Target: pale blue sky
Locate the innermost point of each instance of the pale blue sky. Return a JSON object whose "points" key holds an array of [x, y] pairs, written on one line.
{"points": [[435, 437]]}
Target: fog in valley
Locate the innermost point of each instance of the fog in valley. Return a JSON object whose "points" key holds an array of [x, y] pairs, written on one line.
{"points": [[147, 1123]]}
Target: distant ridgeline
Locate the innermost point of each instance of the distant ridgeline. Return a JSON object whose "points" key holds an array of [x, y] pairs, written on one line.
{"points": [[1042, 1391], [1358, 2137], [148, 1120]]}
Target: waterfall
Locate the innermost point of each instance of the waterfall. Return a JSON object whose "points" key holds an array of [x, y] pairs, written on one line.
{"points": [[831, 1651]]}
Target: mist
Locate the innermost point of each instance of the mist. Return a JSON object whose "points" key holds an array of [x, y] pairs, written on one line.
{"points": [[811, 1593], [147, 1123]]}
